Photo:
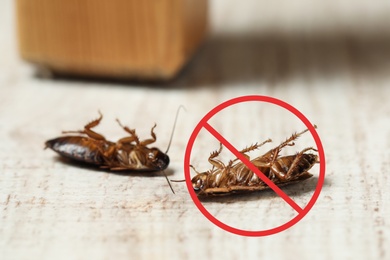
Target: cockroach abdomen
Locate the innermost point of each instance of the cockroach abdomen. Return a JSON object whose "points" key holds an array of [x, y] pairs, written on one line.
{"points": [[76, 148]]}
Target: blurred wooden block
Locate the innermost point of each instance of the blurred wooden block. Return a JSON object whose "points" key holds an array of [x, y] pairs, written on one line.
{"points": [[145, 39]]}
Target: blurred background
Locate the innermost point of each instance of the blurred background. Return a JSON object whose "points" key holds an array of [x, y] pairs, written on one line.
{"points": [[62, 61], [249, 42]]}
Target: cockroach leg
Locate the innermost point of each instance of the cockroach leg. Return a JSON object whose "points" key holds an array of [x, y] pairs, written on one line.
{"points": [[87, 129], [153, 139], [255, 146], [134, 158], [126, 140], [274, 153], [132, 138], [214, 162], [251, 148], [108, 154], [192, 167]]}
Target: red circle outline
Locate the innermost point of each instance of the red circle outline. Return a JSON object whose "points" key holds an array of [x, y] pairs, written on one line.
{"points": [[274, 101]]}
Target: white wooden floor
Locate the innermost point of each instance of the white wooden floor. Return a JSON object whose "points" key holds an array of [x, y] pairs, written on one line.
{"points": [[330, 61]]}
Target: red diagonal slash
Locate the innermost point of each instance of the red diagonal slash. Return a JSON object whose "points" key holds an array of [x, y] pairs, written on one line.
{"points": [[252, 167]]}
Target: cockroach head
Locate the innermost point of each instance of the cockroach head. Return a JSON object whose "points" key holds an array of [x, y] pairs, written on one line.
{"points": [[159, 159], [311, 158], [198, 182]]}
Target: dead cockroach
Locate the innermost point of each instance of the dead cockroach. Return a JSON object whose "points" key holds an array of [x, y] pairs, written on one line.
{"points": [[236, 177], [127, 154]]}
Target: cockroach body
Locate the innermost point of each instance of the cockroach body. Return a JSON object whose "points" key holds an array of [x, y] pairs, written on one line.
{"points": [[127, 154], [236, 177]]}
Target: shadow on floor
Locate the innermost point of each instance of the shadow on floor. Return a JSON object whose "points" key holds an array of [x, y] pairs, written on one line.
{"points": [[225, 60], [231, 60]]}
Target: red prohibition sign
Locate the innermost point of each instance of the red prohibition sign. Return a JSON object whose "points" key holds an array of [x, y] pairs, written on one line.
{"points": [[204, 124]]}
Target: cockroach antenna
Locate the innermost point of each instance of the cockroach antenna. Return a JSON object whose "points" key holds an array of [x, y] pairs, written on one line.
{"points": [[174, 126], [169, 183], [178, 180], [170, 141]]}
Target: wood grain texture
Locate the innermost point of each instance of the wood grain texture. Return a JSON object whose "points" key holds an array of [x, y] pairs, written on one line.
{"points": [[335, 71]]}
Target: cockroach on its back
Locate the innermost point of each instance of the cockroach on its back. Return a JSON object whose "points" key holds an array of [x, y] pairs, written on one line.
{"points": [[127, 154], [236, 177]]}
